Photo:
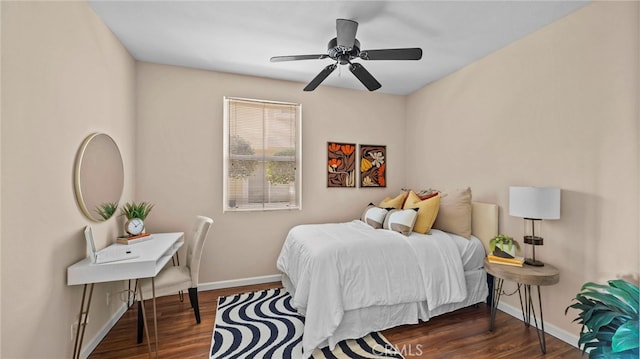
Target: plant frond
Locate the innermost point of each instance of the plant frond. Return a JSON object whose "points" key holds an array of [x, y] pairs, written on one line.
{"points": [[626, 337], [608, 314]]}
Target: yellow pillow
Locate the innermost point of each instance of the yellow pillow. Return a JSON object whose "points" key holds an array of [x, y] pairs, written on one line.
{"points": [[427, 211], [396, 202]]}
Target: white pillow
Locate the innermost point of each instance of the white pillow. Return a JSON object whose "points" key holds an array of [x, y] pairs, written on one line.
{"points": [[374, 216], [401, 220]]}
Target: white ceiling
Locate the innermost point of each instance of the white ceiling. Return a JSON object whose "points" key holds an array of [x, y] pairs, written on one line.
{"points": [[240, 36]]}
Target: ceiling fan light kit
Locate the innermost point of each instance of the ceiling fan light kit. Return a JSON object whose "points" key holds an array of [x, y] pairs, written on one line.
{"points": [[345, 47]]}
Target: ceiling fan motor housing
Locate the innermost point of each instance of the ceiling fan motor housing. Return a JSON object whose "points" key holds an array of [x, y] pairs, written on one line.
{"points": [[342, 54]]}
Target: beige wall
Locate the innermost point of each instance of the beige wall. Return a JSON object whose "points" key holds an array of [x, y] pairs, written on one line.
{"points": [[180, 160], [64, 76], [557, 108]]}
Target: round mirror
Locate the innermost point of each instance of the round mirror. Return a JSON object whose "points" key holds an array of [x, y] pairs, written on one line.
{"points": [[99, 177]]}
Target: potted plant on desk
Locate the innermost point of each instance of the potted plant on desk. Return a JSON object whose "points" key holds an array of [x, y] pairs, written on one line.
{"points": [[135, 213]]}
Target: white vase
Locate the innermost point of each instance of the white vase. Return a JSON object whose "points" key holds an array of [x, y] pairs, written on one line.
{"points": [[505, 248]]}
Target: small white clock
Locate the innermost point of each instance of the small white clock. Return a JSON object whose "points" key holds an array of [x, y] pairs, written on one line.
{"points": [[134, 226]]}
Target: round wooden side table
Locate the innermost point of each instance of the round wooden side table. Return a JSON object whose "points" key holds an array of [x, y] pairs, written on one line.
{"points": [[525, 277]]}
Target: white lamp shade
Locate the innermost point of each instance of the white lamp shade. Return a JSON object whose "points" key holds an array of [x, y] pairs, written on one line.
{"points": [[534, 202]]}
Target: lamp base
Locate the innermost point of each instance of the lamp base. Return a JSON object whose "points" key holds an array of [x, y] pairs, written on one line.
{"points": [[533, 262], [533, 240]]}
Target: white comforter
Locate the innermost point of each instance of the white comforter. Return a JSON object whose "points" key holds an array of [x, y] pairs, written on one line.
{"points": [[337, 267]]}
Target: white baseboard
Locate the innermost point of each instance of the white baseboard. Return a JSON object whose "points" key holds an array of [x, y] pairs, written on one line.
{"points": [[548, 328], [240, 282], [90, 345]]}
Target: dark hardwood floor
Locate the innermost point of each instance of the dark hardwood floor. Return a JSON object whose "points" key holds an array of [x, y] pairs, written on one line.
{"points": [[461, 334]]}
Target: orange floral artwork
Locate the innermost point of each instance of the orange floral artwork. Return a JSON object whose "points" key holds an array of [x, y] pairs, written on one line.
{"points": [[373, 164], [341, 164]]}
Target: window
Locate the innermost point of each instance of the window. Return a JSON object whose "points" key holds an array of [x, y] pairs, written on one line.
{"points": [[262, 155]]}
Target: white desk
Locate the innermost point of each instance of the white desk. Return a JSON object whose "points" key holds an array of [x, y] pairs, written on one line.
{"points": [[153, 255]]}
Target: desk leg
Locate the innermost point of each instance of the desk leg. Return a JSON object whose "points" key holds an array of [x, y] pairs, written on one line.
{"points": [[77, 345], [530, 309], [155, 314], [144, 316], [497, 290], [142, 322]]}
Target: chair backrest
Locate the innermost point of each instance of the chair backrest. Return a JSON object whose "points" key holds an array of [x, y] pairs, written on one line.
{"points": [[195, 246]]}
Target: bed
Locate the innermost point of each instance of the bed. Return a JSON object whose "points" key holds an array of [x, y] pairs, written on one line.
{"points": [[349, 279]]}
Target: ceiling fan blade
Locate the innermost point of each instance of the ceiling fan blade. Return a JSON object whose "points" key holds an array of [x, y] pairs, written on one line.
{"points": [[414, 53], [346, 30], [365, 77], [298, 57], [320, 77]]}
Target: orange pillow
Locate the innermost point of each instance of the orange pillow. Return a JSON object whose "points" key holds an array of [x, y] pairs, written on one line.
{"points": [[427, 211]]}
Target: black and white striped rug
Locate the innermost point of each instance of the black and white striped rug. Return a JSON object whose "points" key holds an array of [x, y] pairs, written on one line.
{"points": [[263, 324]]}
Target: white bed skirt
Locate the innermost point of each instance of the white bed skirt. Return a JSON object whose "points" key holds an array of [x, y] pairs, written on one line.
{"points": [[360, 322]]}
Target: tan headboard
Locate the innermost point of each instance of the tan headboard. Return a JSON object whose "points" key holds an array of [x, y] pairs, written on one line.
{"points": [[484, 222]]}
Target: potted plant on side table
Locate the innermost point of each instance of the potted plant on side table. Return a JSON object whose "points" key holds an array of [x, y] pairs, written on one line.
{"points": [[505, 244]]}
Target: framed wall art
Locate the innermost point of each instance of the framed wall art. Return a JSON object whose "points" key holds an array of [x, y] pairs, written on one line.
{"points": [[373, 165], [341, 164]]}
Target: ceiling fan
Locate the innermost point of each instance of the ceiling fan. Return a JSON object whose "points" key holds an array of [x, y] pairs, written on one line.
{"points": [[344, 48]]}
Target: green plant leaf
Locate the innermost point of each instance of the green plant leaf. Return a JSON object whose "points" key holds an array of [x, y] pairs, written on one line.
{"points": [[608, 313], [586, 337], [623, 284], [604, 352], [600, 353], [628, 355], [596, 349], [632, 290], [626, 337], [600, 320], [613, 301], [136, 210], [596, 309], [605, 336], [107, 209], [582, 302], [625, 292]]}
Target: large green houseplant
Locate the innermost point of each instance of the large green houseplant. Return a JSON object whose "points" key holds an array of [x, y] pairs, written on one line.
{"points": [[609, 318]]}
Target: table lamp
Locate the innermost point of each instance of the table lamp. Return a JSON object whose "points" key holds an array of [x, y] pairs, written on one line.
{"points": [[534, 204]]}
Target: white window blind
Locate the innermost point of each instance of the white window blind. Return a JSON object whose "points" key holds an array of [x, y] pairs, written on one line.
{"points": [[262, 155]]}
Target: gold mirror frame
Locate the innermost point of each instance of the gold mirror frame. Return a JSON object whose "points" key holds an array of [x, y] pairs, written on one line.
{"points": [[98, 175]]}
